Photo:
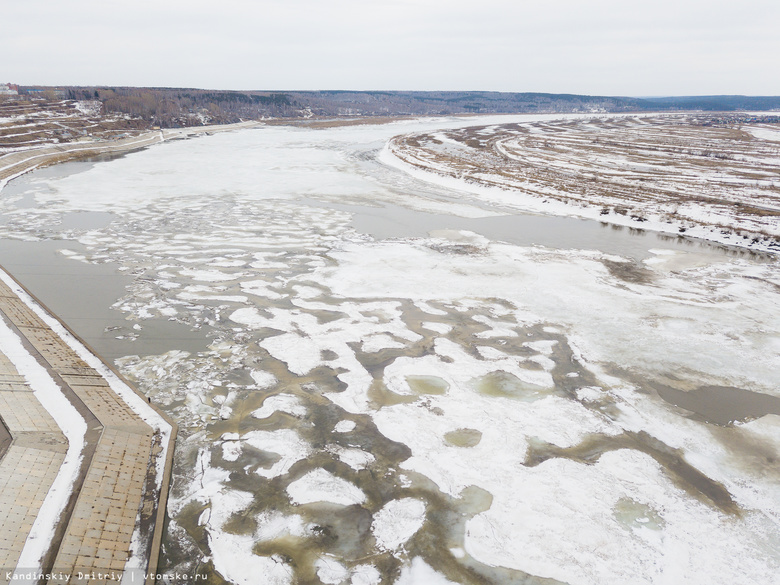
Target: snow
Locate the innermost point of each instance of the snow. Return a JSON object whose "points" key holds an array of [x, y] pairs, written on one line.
{"points": [[322, 486], [397, 522], [423, 306], [441, 328], [272, 525], [330, 571], [557, 524], [482, 331], [284, 442], [280, 403], [356, 458], [231, 450], [765, 134], [420, 573], [210, 275], [260, 288], [365, 575], [344, 426], [232, 553], [375, 343], [301, 354], [575, 287], [589, 393], [88, 107], [263, 380]]}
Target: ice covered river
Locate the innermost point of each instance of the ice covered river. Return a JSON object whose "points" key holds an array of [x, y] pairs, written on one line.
{"points": [[382, 380]]}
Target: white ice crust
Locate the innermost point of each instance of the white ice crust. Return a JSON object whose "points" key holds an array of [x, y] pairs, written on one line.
{"points": [[397, 522], [418, 572], [322, 486]]}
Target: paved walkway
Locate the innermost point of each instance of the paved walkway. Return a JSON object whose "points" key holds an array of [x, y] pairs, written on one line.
{"points": [[30, 463], [114, 512]]}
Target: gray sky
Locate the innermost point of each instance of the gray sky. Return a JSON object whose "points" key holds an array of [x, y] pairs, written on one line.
{"points": [[600, 47]]}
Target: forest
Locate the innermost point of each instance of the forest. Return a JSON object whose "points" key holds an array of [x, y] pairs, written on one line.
{"points": [[182, 107]]}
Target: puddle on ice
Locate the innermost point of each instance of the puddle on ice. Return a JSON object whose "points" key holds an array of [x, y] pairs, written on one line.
{"points": [[506, 385], [427, 384], [721, 404], [464, 437], [370, 392], [633, 515]]}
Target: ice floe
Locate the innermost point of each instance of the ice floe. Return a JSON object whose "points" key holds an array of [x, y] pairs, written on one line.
{"points": [[397, 522], [322, 486]]}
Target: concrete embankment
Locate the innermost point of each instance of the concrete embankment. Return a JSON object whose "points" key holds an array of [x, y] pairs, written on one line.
{"points": [[84, 459]]}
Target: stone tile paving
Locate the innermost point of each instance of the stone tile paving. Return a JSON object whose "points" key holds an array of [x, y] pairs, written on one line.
{"points": [[29, 465], [26, 474]]}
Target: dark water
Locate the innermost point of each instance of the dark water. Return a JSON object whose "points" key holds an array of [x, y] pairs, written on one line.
{"points": [[721, 405], [82, 294], [562, 233]]}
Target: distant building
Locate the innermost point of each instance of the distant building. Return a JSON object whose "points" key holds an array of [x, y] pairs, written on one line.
{"points": [[8, 89]]}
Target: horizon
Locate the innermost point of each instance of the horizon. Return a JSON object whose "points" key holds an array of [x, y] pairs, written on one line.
{"points": [[385, 90]]}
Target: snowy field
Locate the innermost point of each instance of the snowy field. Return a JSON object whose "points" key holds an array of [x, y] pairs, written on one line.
{"points": [[35, 123], [675, 173], [444, 408]]}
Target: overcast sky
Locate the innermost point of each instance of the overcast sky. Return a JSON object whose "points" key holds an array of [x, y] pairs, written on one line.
{"points": [[598, 47]]}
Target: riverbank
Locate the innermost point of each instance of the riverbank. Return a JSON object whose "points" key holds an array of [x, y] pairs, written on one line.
{"points": [[672, 174], [19, 162]]}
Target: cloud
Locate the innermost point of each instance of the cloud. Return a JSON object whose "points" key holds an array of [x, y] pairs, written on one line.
{"points": [[601, 47]]}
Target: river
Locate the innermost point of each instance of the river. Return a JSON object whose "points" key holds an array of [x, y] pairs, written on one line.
{"points": [[381, 380]]}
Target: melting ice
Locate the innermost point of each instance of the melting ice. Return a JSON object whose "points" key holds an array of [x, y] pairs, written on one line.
{"points": [[446, 408]]}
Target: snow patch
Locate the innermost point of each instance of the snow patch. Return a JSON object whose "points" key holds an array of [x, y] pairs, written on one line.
{"points": [[322, 486]]}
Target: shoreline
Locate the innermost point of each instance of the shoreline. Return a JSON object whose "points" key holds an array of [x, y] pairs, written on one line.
{"points": [[488, 189], [535, 205], [15, 164]]}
